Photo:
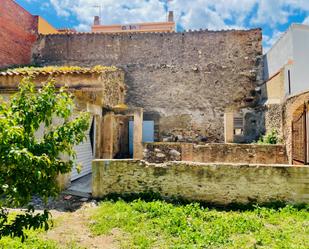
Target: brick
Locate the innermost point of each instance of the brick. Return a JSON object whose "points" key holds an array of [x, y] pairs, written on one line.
{"points": [[18, 30]]}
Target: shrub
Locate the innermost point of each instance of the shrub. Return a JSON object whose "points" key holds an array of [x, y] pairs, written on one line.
{"points": [[28, 165], [270, 138]]}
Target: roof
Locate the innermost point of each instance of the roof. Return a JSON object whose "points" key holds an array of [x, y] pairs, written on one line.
{"points": [[155, 32], [56, 70]]}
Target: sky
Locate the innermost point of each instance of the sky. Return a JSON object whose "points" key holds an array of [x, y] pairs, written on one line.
{"points": [[273, 16]]}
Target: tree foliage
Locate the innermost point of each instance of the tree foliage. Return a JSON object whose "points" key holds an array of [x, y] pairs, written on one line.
{"points": [[29, 163], [270, 138]]}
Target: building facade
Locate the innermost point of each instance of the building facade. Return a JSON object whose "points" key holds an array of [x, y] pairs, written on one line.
{"points": [[19, 30], [94, 89], [168, 26], [290, 54], [285, 91]]}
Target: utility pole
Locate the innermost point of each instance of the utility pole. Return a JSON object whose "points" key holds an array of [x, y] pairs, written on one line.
{"points": [[99, 6], [167, 2]]}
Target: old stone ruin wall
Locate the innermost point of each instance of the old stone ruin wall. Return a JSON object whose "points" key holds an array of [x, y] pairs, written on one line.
{"points": [[215, 153], [208, 182], [184, 81]]}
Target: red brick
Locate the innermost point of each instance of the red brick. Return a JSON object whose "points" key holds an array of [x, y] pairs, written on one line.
{"points": [[18, 32]]}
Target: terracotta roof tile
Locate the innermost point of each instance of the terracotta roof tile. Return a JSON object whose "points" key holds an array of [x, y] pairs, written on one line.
{"points": [[55, 70]]}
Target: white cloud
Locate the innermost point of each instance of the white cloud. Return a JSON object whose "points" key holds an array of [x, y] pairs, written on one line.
{"points": [[269, 41], [212, 14], [62, 7], [120, 11], [189, 14], [194, 14], [306, 21]]}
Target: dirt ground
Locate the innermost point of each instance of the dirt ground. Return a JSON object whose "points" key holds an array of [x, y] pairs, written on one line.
{"points": [[71, 217]]}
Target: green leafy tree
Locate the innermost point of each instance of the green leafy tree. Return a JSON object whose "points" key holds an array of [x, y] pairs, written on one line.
{"points": [[29, 164], [270, 138]]}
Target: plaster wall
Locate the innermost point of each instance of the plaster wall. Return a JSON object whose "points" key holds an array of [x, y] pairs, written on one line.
{"points": [[290, 53]]}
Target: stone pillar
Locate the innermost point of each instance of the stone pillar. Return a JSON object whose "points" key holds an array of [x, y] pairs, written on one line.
{"points": [[98, 125], [186, 152], [138, 134], [229, 127], [108, 136], [63, 181]]}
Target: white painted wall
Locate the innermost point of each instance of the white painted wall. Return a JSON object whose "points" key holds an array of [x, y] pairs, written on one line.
{"points": [[292, 46], [278, 55], [300, 70]]}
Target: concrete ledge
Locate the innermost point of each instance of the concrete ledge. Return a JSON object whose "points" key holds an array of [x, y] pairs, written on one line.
{"points": [[210, 182]]}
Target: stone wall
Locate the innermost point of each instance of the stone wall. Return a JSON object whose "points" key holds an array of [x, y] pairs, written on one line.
{"points": [[162, 152], [273, 118], [184, 81], [18, 29], [214, 183], [216, 153]]}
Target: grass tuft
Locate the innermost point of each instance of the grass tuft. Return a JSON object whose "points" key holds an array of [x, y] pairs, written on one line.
{"points": [[158, 224]]}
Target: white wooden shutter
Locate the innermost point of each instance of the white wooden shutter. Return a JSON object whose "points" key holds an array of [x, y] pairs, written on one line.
{"points": [[84, 156]]}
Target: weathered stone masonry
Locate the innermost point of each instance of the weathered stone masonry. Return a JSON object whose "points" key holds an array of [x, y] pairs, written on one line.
{"points": [[216, 153], [184, 81], [217, 183]]}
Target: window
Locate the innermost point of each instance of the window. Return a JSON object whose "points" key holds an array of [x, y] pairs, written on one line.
{"points": [[238, 124], [289, 81]]}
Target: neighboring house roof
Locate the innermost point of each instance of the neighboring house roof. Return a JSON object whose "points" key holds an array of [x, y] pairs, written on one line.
{"points": [[56, 70], [98, 85], [83, 79]]}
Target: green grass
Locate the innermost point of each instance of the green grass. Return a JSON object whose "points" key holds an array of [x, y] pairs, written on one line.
{"points": [[33, 241], [158, 224]]}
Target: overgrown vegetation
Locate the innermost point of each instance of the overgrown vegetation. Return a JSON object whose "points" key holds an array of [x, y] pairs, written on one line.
{"points": [[270, 138], [49, 69], [158, 224], [29, 164], [34, 241]]}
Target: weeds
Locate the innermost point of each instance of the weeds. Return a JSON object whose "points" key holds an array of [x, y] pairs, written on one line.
{"points": [[158, 224]]}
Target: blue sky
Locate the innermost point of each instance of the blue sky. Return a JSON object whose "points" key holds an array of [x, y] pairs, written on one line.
{"points": [[273, 16]]}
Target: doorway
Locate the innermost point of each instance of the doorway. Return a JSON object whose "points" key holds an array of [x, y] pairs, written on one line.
{"points": [[148, 133], [300, 136]]}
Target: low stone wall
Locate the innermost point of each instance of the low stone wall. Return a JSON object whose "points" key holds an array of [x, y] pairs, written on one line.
{"points": [[162, 152], [240, 153], [215, 153], [213, 183]]}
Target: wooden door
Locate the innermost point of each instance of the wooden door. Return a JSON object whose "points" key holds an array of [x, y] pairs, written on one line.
{"points": [[300, 137]]}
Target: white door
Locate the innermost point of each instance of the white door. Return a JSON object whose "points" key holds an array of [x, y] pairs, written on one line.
{"points": [[148, 133], [84, 155]]}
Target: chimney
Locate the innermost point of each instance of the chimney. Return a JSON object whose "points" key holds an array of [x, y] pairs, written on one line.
{"points": [[170, 16], [96, 20]]}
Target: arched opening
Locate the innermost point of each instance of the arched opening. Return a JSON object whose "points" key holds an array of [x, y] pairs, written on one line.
{"points": [[300, 131]]}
